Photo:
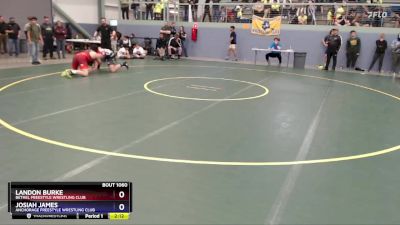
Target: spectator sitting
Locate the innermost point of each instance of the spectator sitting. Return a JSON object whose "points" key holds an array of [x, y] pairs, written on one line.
{"points": [[274, 54], [302, 19], [352, 19], [125, 41], [123, 53], [138, 52], [175, 46], [161, 45], [340, 11], [341, 21], [397, 20]]}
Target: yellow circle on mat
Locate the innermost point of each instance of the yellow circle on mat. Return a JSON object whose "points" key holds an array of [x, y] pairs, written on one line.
{"points": [[265, 90], [201, 162]]}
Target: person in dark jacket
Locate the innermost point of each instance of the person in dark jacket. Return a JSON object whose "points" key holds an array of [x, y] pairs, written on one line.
{"points": [[353, 47], [13, 31], [48, 38], [161, 45], [333, 42], [381, 46]]}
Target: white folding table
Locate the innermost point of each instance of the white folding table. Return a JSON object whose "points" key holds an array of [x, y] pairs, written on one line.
{"points": [[288, 51]]}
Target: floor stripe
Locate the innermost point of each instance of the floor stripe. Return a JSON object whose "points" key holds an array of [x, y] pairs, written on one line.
{"points": [[82, 106], [279, 206], [200, 88], [208, 87], [99, 160]]}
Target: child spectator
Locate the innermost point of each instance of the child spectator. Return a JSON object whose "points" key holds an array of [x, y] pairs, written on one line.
{"points": [[138, 52], [182, 36], [123, 53], [353, 47], [274, 54], [381, 46]]}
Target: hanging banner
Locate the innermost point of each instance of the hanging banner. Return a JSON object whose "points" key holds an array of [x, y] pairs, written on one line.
{"points": [[266, 26]]}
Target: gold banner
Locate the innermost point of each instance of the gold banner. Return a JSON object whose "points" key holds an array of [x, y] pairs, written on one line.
{"points": [[266, 26]]}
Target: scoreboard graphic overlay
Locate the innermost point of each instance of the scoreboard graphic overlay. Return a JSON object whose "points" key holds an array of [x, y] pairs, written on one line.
{"points": [[70, 200]]}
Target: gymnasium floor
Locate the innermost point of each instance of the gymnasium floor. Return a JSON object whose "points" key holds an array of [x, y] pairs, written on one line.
{"points": [[210, 142]]}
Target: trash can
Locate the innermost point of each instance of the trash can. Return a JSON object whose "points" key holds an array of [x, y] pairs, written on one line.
{"points": [[22, 46], [299, 61]]}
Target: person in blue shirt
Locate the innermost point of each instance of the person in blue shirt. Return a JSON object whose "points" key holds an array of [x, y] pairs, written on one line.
{"points": [[274, 54]]}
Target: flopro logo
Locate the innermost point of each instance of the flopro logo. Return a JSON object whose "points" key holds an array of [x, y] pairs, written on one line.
{"points": [[380, 15]]}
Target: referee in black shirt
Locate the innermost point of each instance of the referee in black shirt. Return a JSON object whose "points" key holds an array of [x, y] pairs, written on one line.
{"points": [[106, 32]]}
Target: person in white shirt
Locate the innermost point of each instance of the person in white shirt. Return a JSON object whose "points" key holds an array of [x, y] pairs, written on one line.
{"points": [[123, 53], [138, 52]]}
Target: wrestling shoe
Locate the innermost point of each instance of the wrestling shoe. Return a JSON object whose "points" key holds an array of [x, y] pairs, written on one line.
{"points": [[67, 74], [124, 64]]}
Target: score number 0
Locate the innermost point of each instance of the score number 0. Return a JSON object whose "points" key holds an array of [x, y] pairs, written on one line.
{"points": [[121, 206]]}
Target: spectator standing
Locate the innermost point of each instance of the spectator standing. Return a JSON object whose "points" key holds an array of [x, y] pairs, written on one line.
{"points": [[173, 29], [35, 38], [333, 42], [26, 27], [69, 31], [149, 9], [381, 46], [166, 30], [396, 55], [13, 30], [3, 36], [311, 11], [60, 33], [274, 54], [353, 47], [182, 36], [106, 32], [232, 44], [124, 9], [158, 11], [216, 12], [48, 38], [207, 11], [329, 17], [134, 7]]}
